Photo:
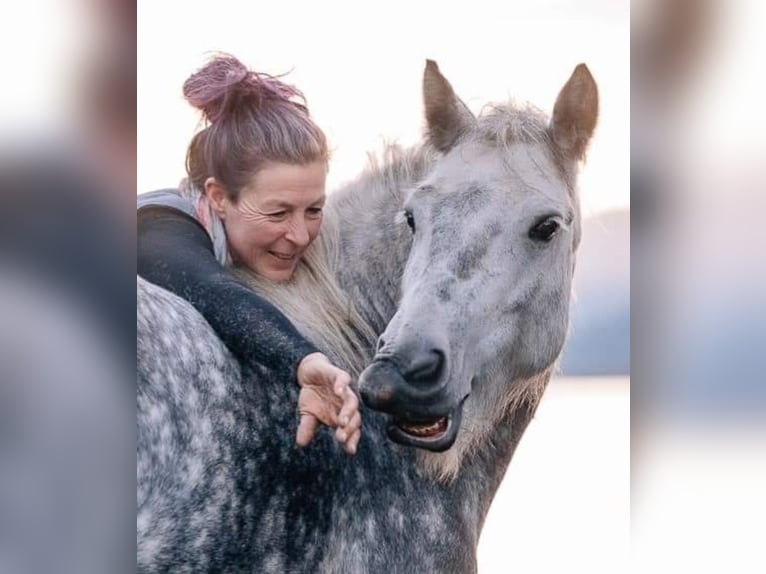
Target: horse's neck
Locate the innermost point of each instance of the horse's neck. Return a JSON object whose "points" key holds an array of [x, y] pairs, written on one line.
{"points": [[371, 239], [483, 469]]}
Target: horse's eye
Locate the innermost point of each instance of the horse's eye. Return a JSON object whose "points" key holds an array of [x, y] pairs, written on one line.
{"points": [[544, 230], [410, 220]]}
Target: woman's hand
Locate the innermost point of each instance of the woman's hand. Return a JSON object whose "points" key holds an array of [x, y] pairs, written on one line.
{"points": [[326, 397]]}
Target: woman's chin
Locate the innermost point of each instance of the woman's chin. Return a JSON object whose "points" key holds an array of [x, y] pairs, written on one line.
{"points": [[277, 275], [274, 268]]}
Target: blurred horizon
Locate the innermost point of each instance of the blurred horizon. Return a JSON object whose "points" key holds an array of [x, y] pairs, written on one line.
{"points": [[599, 332]]}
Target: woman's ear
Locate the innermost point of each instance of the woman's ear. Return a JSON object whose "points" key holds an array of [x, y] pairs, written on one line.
{"points": [[216, 196]]}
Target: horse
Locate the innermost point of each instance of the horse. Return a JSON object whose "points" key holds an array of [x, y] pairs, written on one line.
{"points": [[458, 255]]}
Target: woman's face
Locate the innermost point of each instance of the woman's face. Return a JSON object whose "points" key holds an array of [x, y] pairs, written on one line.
{"points": [[276, 218]]}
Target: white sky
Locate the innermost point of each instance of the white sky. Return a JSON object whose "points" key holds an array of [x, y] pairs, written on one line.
{"points": [[360, 66]]}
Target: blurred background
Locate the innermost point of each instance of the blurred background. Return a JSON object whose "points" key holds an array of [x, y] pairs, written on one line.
{"points": [[67, 261], [697, 178]]}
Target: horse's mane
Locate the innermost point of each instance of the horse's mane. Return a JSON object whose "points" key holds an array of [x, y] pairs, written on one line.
{"points": [[320, 309], [396, 168]]}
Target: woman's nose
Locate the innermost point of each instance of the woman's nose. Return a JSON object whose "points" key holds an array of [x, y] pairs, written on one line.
{"points": [[298, 233]]}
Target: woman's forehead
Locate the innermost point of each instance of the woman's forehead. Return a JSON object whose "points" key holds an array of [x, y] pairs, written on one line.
{"points": [[289, 183], [291, 174]]}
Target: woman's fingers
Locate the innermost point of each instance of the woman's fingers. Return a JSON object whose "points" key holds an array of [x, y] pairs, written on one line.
{"points": [[342, 382], [354, 424], [344, 432], [306, 429], [349, 408], [353, 442], [348, 436]]}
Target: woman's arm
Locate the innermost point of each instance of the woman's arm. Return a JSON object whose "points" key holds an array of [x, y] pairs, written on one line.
{"points": [[175, 252]]}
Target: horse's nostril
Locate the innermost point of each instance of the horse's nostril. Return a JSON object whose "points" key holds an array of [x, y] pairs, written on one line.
{"points": [[381, 343], [426, 368]]}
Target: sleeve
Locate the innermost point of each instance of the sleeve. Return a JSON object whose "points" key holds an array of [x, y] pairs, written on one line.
{"points": [[175, 252], [168, 197]]}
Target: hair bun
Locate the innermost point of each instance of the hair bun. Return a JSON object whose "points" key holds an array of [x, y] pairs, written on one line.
{"points": [[224, 85]]}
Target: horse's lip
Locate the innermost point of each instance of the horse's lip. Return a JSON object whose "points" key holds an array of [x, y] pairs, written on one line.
{"points": [[437, 444]]}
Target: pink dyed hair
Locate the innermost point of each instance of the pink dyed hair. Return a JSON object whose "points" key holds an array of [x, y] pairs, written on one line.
{"points": [[252, 119]]}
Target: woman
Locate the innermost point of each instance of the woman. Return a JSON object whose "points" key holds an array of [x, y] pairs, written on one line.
{"points": [[253, 198]]}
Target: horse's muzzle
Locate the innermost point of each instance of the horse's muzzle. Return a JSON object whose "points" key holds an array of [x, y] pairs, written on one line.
{"points": [[421, 416]]}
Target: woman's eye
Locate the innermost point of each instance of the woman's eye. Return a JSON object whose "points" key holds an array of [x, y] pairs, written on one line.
{"points": [[410, 220], [544, 230], [279, 215], [315, 212]]}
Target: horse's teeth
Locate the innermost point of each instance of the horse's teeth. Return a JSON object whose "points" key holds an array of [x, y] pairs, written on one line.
{"points": [[425, 429]]}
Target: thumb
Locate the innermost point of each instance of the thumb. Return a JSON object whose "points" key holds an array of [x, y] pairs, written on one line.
{"points": [[306, 429]]}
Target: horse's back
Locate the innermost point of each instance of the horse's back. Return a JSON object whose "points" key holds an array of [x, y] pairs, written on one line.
{"points": [[186, 376], [173, 338]]}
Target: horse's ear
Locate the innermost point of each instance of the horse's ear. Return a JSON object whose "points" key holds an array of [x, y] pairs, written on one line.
{"points": [[447, 117], [575, 113]]}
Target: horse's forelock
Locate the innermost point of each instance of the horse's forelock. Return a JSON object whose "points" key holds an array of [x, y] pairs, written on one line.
{"points": [[504, 125]]}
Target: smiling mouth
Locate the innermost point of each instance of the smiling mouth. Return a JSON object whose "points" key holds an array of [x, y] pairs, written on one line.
{"points": [[282, 256], [435, 434]]}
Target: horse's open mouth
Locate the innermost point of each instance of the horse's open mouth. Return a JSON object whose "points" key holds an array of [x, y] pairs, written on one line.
{"points": [[437, 434], [432, 430]]}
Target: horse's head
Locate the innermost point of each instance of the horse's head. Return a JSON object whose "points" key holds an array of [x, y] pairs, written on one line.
{"points": [[486, 288]]}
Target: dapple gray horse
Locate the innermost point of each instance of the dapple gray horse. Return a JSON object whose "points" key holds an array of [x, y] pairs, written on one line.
{"points": [[460, 254]]}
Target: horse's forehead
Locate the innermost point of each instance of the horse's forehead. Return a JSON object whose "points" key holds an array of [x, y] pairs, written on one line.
{"points": [[478, 184], [517, 169]]}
